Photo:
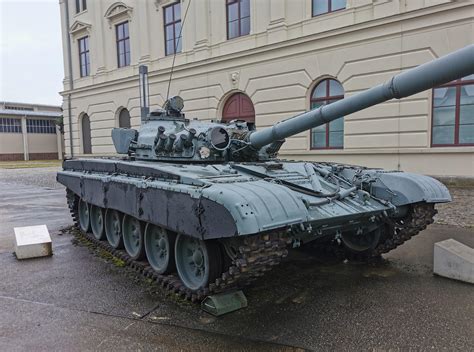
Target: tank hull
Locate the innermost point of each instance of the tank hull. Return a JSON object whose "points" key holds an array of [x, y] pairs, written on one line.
{"points": [[222, 201]]}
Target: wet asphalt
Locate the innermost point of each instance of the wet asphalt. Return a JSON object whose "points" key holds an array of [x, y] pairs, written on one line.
{"points": [[80, 300]]}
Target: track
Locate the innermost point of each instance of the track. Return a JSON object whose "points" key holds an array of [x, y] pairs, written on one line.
{"points": [[420, 216], [395, 234], [256, 255]]}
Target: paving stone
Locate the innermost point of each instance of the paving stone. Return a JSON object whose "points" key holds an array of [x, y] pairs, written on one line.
{"points": [[32, 242], [454, 260]]}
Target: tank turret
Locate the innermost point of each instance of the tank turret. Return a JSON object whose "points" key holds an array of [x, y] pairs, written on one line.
{"points": [[166, 135]]}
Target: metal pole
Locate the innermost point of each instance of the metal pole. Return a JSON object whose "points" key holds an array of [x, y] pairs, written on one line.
{"points": [[71, 82], [144, 91]]}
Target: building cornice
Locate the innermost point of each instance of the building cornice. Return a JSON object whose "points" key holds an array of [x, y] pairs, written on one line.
{"points": [[249, 54]]}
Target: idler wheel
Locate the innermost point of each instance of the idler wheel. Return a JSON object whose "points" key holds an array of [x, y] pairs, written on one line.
{"points": [[159, 248], [198, 262], [97, 222], [132, 230], [113, 228], [360, 243], [84, 216]]}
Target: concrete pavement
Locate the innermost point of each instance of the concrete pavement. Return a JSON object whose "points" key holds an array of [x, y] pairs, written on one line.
{"points": [[79, 300]]}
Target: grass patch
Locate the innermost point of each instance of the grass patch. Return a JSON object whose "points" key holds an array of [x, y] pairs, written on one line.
{"points": [[29, 164]]}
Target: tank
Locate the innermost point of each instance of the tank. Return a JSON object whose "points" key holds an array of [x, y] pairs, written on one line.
{"points": [[206, 207]]}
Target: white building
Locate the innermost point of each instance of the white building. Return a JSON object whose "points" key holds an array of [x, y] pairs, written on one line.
{"points": [[267, 60], [29, 132]]}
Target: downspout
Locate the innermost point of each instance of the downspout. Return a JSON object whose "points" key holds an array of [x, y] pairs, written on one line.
{"points": [[71, 83]]}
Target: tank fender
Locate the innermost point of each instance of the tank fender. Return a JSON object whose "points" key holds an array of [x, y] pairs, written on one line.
{"points": [[258, 206], [402, 188]]}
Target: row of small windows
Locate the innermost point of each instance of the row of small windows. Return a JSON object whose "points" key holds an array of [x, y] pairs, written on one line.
{"points": [[12, 125], [40, 126], [237, 18], [8, 125], [21, 108]]}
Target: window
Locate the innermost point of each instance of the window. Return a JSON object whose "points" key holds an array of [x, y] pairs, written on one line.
{"points": [[81, 5], [172, 22], [238, 18], [84, 58], [123, 44], [330, 135], [8, 125], [22, 108], [124, 119], [40, 126], [453, 113], [325, 6], [86, 135]]}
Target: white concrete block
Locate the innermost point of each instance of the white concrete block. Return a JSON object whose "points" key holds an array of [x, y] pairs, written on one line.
{"points": [[454, 260], [32, 242]]}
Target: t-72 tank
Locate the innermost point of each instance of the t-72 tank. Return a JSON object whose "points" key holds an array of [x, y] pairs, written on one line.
{"points": [[205, 207]]}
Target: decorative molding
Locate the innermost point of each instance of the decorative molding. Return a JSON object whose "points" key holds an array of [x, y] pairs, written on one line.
{"points": [[78, 28], [234, 78], [118, 11]]}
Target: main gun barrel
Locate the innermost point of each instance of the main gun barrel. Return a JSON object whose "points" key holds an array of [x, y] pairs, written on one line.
{"points": [[429, 75]]}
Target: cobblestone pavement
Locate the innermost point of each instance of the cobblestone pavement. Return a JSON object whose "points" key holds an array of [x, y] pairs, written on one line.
{"points": [[460, 212]]}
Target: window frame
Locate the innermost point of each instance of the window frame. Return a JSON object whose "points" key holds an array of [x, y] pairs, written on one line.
{"points": [[81, 6], [124, 39], [173, 24], [239, 18], [330, 10], [86, 56], [7, 125], [326, 98], [457, 84], [40, 126]]}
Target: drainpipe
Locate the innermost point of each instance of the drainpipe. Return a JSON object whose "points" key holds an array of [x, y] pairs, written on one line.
{"points": [[71, 83]]}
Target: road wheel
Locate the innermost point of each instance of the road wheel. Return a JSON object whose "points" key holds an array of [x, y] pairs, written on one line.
{"points": [[97, 222], [132, 230], [84, 216], [361, 243], [113, 228], [159, 248], [198, 262]]}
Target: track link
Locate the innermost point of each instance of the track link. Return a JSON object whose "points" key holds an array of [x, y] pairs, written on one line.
{"points": [[257, 255]]}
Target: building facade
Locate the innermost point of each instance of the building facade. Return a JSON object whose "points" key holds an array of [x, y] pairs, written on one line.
{"points": [[30, 132], [268, 60]]}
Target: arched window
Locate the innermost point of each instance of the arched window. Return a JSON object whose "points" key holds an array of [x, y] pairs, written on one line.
{"points": [[330, 135], [124, 118], [239, 107], [86, 135], [453, 113]]}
